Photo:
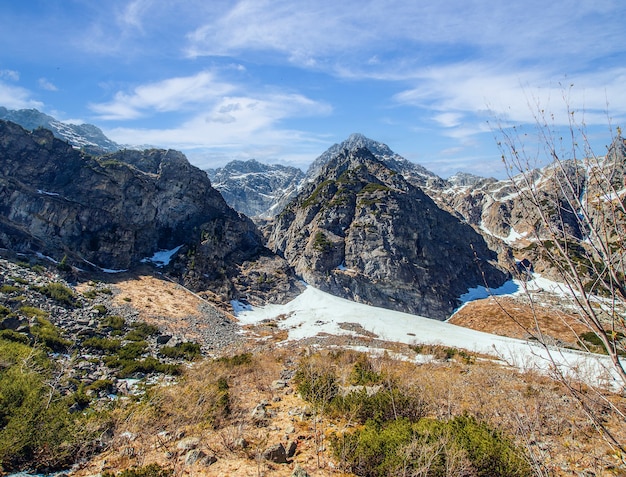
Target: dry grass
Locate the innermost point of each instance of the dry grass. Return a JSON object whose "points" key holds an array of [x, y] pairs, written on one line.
{"points": [[534, 410], [516, 318]]}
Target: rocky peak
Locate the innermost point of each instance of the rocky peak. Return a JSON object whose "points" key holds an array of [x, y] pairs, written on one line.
{"points": [[360, 230], [413, 173], [256, 189], [83, 136]]}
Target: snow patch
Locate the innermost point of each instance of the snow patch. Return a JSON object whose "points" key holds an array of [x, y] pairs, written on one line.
{"points": [[43, 192], [240, 307], [162, 257]]}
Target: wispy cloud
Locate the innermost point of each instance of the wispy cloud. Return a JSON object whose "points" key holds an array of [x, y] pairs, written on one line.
{"points": [[172, 94], [11, 75], [16, 97], [47, 85]]}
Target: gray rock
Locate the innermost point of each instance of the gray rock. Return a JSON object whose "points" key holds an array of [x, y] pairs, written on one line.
{"points": [[188, 443], [276, 454]]}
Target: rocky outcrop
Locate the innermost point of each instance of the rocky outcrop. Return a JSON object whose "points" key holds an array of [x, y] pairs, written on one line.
{"points": [[113, 211], [362, 231], [255, 189]]}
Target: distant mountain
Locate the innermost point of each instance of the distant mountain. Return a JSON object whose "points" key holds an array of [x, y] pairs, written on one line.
{"points": [[84, 136], [360, 230], [413, 173], [255, 189]]}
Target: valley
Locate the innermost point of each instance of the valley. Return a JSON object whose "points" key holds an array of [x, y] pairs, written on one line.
{"points": [[367, 317]]}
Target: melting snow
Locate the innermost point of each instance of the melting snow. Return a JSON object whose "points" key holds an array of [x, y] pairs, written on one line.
{"points": [[162, 257], [315, 312], [43, 192]]}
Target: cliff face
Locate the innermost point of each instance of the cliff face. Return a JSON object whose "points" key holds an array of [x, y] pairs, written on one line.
{"points": [[107, 211], [360, 230]]}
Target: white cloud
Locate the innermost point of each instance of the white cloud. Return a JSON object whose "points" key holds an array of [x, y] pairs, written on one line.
{"points": [[47, 85], [173, 94], [16, 97], [10, 75]]}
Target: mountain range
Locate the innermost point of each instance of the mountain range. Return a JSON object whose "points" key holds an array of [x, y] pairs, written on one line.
{"points": [[362, 223]]}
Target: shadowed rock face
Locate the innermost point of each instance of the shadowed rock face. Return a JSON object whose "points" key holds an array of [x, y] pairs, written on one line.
{"points": [[361, 231], [59, 201]]}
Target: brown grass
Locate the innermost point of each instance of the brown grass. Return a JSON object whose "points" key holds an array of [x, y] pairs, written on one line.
{"points": [[517, 318]]}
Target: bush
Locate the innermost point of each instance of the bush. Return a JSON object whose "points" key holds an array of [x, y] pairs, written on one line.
{"points": [[151, 470], [59, 292], [141, 331], [9, 289], [103, 344], [49, 335], [14, 336], [236, 360], [187, 350], [434, 448], [114, 322]]}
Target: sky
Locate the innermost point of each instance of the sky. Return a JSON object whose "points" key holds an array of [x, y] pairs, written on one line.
{"points": [[282, 81]]}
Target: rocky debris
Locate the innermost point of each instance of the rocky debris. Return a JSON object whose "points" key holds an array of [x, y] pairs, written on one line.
{"points": [[199, 457], [361, 231], [276, 454]]}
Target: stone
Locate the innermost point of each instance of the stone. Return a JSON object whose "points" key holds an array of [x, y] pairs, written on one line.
{"points": [[292, 447], [299, 472], [188, 443], [276, 454]]}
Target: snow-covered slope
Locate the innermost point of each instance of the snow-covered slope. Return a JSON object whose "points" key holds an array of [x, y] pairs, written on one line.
{"points": [[82, 136], [315, 312]]}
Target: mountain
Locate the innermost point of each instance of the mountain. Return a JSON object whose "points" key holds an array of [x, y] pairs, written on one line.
{"points": [[413, 173], [360, 230], [255, 189], [84, 136], [115, 210]]}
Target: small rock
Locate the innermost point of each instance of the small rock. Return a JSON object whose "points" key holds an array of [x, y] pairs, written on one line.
{"points": [[276, 454], [291, 449], [188, 443], [299, 472], [290, 430], [279, 384], [241, 443]]}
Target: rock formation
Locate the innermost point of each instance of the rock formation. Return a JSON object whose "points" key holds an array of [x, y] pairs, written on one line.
{"points": [[362, 231]]}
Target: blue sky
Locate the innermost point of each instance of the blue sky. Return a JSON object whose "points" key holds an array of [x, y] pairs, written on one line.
{"points": [[281, 81]]}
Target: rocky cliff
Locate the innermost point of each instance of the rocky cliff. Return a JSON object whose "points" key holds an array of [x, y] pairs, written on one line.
{"points": [[361, 230], [115, 210]]}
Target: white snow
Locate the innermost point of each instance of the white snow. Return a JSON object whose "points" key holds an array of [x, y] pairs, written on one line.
{"points": [[162, 257], [513, 236], [315, 312], [43, 192], [240, 307]]}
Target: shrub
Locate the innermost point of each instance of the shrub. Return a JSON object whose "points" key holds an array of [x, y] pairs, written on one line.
{"points": [[187, 350], [14, 336], [114, 322], [236, 360], [431, 447], [4, 311], [103, 344], [59, 292], [9, 289], [316, 384], [49, 335], [151, 470], [33, 312], [141, 331]]}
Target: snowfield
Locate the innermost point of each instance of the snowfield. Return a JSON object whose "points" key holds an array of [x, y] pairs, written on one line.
{"points": [[315, 312]]}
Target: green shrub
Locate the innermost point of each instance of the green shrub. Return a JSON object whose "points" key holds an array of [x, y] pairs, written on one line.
{"points": [[49, 335], [58, 292], [114, 322], [151, 470], [363, 373], [9, 289], [236, 360], [316, 384], [321, 242], [14, 336], [141, 331], [20, 280], [4, 311], [431, 447], [33, 312], [187, 350], [103, 344]]}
